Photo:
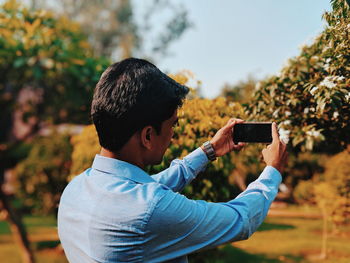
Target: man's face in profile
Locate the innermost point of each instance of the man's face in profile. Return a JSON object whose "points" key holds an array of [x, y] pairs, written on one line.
{"points": [[163, 139]]}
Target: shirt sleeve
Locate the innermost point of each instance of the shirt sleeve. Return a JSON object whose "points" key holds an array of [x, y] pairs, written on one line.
{"points": [[179, 226], [182, 172]]}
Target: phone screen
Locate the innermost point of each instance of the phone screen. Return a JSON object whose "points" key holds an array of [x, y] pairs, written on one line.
{"points": [[252, 132]]}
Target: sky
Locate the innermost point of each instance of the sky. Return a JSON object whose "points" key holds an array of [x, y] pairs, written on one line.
{"points": [[231, 39]]}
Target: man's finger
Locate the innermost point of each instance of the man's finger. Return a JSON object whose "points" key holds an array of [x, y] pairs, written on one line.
{"points": [[275, 136], [232, 122]]}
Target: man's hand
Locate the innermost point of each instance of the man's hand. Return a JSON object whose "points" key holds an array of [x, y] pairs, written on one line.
{"points": [[275, 154], [223, 141]]}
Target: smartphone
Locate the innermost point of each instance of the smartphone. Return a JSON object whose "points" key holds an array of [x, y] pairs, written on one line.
{"points": [[252, 132]]}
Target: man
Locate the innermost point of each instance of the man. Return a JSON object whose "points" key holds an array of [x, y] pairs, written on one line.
{"points": [[116, 212]]}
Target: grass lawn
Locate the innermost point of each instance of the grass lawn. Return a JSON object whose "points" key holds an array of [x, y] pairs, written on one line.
{"points": [[284, 239], [297, 240], [279, 239], [43, 236]]}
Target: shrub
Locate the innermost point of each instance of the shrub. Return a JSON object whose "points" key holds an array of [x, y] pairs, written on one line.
{"points": [[43, 175]]}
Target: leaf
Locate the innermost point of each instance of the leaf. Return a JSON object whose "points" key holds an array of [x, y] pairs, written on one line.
{"points": [[19, 62]]}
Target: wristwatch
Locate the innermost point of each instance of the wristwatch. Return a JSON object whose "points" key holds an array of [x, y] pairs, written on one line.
{"points": [[209, 151]]}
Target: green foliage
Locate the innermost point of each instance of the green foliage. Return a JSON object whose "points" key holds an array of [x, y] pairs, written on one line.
{"points": [[303, 193], [330, 190], [42, 176], [85, 146], [199, 120], [301, 171], [49, 55], [240, 92], [337, 176], [310, 97]]}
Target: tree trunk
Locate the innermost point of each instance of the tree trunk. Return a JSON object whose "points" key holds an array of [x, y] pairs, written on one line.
{"points": [[17, 228], [324, 234]]}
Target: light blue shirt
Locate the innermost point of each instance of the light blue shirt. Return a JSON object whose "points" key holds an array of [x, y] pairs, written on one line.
{"points": [[116, 212]]}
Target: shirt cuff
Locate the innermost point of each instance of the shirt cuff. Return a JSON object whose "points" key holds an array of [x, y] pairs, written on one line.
{"points": [[271, 173], [197, 160]]}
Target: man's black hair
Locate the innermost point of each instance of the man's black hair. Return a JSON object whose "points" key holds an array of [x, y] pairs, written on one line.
{"points": [[130, 95]]}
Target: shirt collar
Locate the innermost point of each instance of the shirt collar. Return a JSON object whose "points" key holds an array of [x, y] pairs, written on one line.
{"points": [[121, 168]]}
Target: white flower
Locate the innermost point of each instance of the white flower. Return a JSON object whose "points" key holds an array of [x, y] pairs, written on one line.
{"points": [[287, 122], [347, 97], [47, 63], [313, 90], [31, 61], [340, 78], [312, 109], [283, 188], [328, 82], [326, 67], [313, 133], [275, 113], [288, 113], [284, 135], [335, 115], [306, 110], [325, 49], [328, 60]]}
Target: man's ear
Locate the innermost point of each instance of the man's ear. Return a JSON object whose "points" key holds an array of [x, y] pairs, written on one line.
{"points": [[146, 137]]}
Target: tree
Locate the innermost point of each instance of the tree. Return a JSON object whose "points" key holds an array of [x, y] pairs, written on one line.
{"points": [[47, 76], [116, 32], [337, 176], [310, 97], [330, 190], [242, 92], [43, 174]]}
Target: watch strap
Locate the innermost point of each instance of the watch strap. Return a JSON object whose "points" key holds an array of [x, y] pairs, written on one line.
{"points": [[209, 151]]}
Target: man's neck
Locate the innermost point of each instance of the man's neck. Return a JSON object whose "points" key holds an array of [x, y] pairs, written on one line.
{"points": [[123, 156]]}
